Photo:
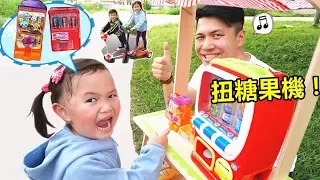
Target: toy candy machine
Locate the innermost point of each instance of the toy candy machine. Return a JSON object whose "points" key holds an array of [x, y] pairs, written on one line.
{"points": [[179, 112], [65, 28], [31, 18], [240, 140]]}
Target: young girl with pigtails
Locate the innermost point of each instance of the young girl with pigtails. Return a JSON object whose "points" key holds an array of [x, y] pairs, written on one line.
{"points": [[139, 18], [87, 100]]}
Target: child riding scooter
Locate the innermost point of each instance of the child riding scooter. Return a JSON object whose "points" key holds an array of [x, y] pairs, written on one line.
{"points": [[137, 53]]}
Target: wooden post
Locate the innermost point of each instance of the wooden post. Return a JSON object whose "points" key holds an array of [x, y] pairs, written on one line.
{"points": [[300, 118], [315, 4], [300, 121], [184, 49]]}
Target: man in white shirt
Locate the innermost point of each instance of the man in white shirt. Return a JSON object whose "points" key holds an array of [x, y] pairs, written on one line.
{"points": [[219, 34]]}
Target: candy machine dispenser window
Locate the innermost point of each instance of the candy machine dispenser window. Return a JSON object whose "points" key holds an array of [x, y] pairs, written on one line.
{"points": [[222, 116]]}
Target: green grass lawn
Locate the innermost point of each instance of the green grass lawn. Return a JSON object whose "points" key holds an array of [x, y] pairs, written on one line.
{"points": [[287, 49]]}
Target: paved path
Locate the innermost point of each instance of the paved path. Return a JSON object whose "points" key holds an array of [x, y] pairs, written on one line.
{"points": [[21, 84]]}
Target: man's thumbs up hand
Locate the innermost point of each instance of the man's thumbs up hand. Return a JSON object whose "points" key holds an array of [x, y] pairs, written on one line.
{"points": [[162, 66]]}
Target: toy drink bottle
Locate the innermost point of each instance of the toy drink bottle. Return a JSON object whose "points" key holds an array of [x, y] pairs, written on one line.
{"points": [[215, 109], [73, 21], [31, 18], [227, 113], [55, 22], [239, 118]]}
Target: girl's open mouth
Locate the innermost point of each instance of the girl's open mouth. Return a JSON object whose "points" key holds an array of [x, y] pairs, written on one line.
{"points": [[105, 125]]}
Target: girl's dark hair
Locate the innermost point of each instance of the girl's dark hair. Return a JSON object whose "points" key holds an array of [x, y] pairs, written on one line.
{"points": [[64, 87], [139, 3]]}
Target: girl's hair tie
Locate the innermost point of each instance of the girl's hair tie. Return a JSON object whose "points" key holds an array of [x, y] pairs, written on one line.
{"points": [[57, 75], [55, 78], [45, 88]]}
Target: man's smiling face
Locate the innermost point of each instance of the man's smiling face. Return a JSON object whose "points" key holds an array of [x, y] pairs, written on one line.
{"points": [[214, 39]]}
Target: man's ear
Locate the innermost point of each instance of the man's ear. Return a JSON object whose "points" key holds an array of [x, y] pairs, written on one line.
{"points": [[61, 111], [241, 37]]}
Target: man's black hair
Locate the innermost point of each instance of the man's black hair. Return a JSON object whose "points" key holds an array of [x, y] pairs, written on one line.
{"points": [[113, 11], [231, 16]]}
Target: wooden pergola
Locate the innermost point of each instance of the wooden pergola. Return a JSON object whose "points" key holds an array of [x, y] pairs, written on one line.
{"points": [[304, 108]]}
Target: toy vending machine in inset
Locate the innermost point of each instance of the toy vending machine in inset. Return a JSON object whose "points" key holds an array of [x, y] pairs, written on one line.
{"points": [[65, 28], [238, 140], [31, 18]]}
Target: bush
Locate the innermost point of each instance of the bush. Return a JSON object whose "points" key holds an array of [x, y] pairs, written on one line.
{"points": [[93, 7], [252, 12], [174, 11], [146, 5]]}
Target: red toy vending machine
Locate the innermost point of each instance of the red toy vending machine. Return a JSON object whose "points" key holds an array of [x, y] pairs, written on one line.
{"points": [[65, 28], [31, 18], [238, 141]]}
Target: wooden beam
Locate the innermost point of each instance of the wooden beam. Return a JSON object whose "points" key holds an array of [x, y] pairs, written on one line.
{"points": [[315, 4], [297, 129], [300, 121], [184, 49]]}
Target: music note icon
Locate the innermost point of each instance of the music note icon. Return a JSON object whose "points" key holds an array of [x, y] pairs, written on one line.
{"points": [[262, 23], [265, 26]]}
